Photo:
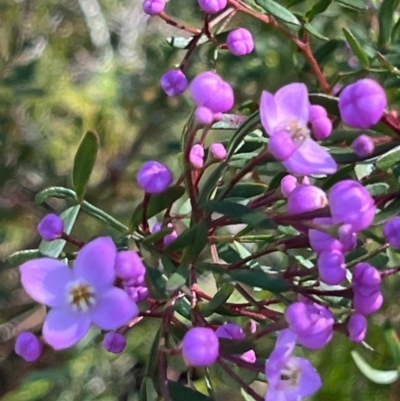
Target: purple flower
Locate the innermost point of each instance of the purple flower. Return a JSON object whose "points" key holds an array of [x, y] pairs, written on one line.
{"points": [[204, 115], [363, 146], [362, 104], [168, 238], [288, 184], [331, 267], [114, 342], [154, 7], [350, 203], [285, 116], [391, 231], [209, 90], [312, 323], [129, 266], [137, 293], [306, 198], [80, 296], [28, 346], [174, 82], [316, 111], [200, 346], [154, 177], [196, 156], [51, 227], [290, 378], [218, 151], [321, 125], [212, 6], [357, 327], [240, 42]]}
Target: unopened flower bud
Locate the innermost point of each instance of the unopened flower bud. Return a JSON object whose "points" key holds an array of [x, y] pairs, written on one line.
{"points": [[137, 294], [51, 227], [357, 327], [321, 128], [200, 346], [204, 115], [154, 7], [316, 111], [363, 146], [240, 42], [362, 104], [28, 346], [196, 156], [212, 6], [306, 198], [331, 267], [129, 266], [391, 231], [174, 82], [288, 184], [218, 151], [154, 177], [114, 342]]}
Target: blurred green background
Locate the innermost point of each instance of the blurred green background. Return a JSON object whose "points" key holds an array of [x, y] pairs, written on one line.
{"points": [[72, 65]]}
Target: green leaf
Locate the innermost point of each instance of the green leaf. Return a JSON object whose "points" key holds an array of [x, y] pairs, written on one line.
{"points": [[314, 32], [148, 390], [354, 4], [273, 8], [247, 375], [257, 278], [179, 42], [55, 192], [54, 248], [356, 47], [375, 375], [390, 211], [330, 103], [392, 341], [377, 189], [386, 21], [179, 278], [389, 159], [218, 299], [85, 158], [157, 204], [331, 180], [17, 258], [179, 392], [229, 121], [318, 8], [324, 51], [240, 213], [244, 190]]}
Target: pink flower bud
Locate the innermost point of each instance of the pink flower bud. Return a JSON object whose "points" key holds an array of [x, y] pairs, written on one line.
{"points": [[114, 342], [240, 42], [212, 6], [306, 198], [200, 346], [174, 82], [51, 227], [363, 146], [391, 231], [28, 346], [204, 115], [331, 267], [196, 156], [316, 111], [321, 128], [288, 184], [357, 327], [154, 7], [129, 266], [218, 151], [154, 177]]}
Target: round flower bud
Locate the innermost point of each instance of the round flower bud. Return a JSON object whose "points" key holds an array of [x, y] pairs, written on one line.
{"points": [[367, 305], [288, 184], [218, 151], [230, 330], [51, 227], [357, 327], [321, 128], [306, 198], [174, 82], [212, 6], [114, 342], [200, 346], [351, 203], [204, 115], [154, 177], [154, 7], [362, 104], [391, 231], [209, 90], [196, 156], [331, 267], [129, 266], [137, 294], [28, 346], [363, 146], [316, 111], [366, 279], [240, 42]]}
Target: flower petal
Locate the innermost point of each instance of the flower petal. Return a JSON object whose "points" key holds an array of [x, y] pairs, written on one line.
{"points": [[95, 263], [45, 280], [292, 104], [310, 158], [310, 380], [64, 327], [113, 309], [268, 115]]}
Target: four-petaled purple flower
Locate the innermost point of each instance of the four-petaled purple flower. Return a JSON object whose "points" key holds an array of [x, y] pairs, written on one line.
{"points": [[285, 116], [80, 296], [290, 378]]}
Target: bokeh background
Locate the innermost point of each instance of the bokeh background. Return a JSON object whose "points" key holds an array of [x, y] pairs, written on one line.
{"points": [[67, 66]]}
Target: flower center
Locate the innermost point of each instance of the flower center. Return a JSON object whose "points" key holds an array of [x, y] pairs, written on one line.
{"points": [[290, 377], [297, 132], [81, 296]]}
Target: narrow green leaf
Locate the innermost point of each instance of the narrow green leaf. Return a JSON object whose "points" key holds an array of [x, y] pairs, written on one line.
{"points": [[278, 11], [244, 190], [330, 103], [198, 244], [308, 27], [20, 257], [354, 4], [390, 211], [378, 188], [257, 278], [375, 375], [54, 248], [247, 375], [318, 8], [218, 299], [229, 121], [85, 158], [392, 341], [357, 49], [179, 42], [386, 21], [179, 392], [55, 192], [157, 204], [389, 159], [179, 278], [344, 172]]}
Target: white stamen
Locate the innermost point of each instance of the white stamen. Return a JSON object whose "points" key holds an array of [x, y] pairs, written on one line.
{"points": [[81, 296]]}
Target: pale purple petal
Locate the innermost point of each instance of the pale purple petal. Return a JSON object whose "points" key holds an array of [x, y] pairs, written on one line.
{"points": [[113, 309], [95, 263], [310, 380], [268, 115], [310, 158], [45, 280], [275, 395], [64, 327], [292, 104]]}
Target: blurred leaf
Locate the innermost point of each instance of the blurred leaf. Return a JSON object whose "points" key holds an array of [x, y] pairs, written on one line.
{"points": [[354, 4], [391, 210], [54, 248], [157, 204], [148, 390], [20, 257], [218, 299], [357, 49], [318, 8], [247, 375], [344, 172], [180, 392], [324, 51], [229, 121], [85, 158], [379, 188], [393, 342], [55, 192], [179, 278], [179, 42], [330, 103], [389, 159], [314, 32], [255, 278], [158, 236], [244, 190], [375, 375], [273, 8], [386, 21]]}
